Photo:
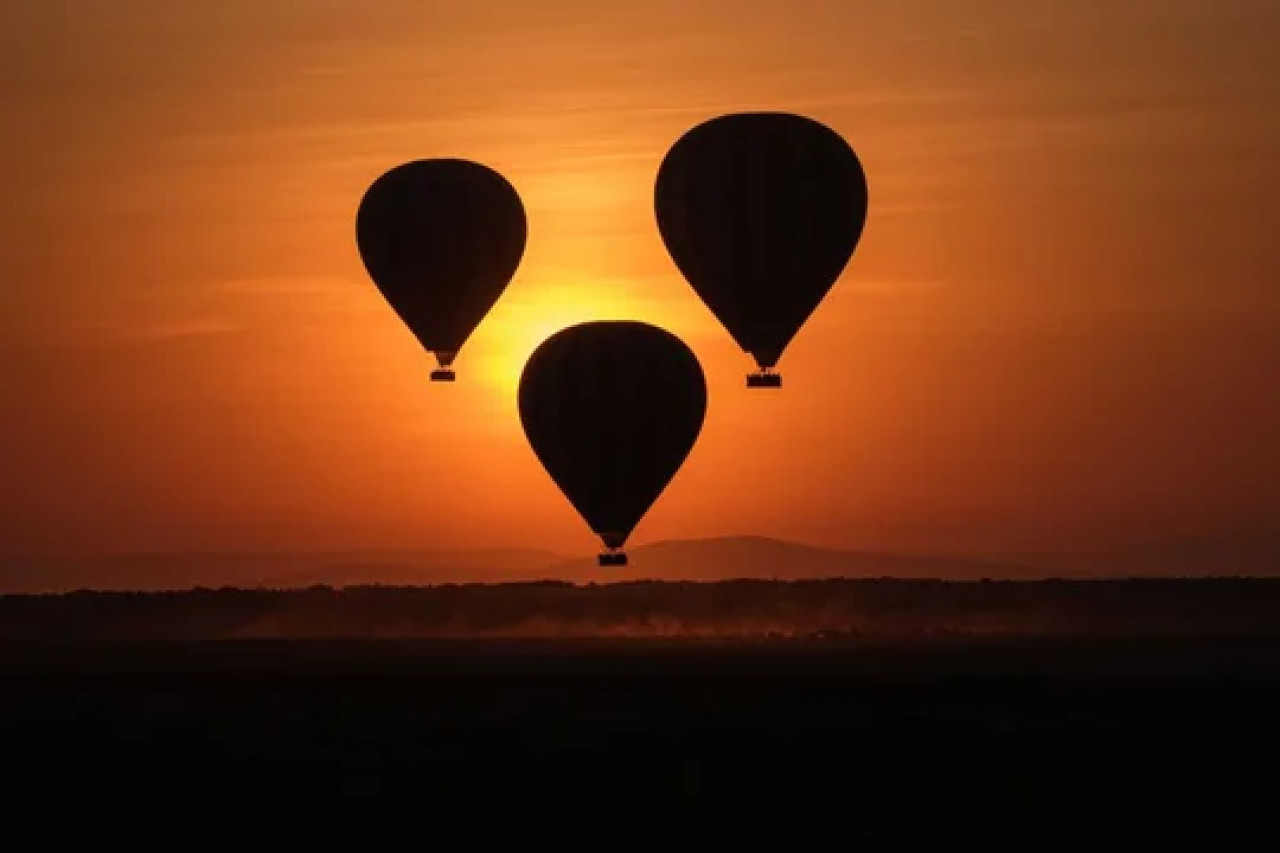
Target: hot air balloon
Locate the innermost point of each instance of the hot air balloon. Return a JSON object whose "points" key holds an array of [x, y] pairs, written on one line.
{"points": [[761, 213], [611, 409], [441, 239]]}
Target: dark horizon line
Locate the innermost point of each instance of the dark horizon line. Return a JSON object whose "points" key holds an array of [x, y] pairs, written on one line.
{"points": [[974, 554], [1047, 580]]}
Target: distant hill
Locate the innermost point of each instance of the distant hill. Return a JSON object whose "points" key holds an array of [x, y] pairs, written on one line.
{"points": [[700, 559], [762, 558], [726, 558]]}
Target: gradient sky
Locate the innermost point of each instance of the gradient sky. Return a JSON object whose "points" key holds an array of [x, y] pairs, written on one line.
{"points": [[1061, 330]]}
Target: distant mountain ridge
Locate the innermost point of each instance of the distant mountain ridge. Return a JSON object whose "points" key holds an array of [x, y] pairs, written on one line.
{"points": [[735, 557], [712, 559]]}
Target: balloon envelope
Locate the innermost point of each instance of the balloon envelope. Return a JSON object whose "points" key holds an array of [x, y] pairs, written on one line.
{"points": [[611, 409], [761, 213], [441, 239]]}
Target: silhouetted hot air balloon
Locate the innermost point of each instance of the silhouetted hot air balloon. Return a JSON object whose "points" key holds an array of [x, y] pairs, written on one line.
{"points": [[612, 409], [761, 212], [441, 239]]}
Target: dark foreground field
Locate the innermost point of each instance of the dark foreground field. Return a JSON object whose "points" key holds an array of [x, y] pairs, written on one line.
{"points": [[1111, 743]]}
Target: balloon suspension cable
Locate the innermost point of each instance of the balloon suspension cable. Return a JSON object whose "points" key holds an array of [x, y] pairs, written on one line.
{"points": [[766, 377]]}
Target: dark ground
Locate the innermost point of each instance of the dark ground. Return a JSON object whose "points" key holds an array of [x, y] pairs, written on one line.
{"points": [[1118, 744]]}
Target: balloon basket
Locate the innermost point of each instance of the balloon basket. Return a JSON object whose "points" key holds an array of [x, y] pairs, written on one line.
{"points": [[613, 558], [444, 374], [764, 380]]}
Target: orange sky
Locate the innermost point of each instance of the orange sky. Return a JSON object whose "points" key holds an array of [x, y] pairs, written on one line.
{"points": [[1062, 328]]}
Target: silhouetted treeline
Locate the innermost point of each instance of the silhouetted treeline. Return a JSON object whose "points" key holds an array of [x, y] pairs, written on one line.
{"points": [[872, 608]]}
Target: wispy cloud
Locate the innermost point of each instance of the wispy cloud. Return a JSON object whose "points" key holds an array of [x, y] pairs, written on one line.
{"points": [[290, 285], [894, 285], [126, 331], [191, 328]]}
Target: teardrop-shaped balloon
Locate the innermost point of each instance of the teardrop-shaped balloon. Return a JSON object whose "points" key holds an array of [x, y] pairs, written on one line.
{"points": [[441, 239], [761, 213], [612, 409]]}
